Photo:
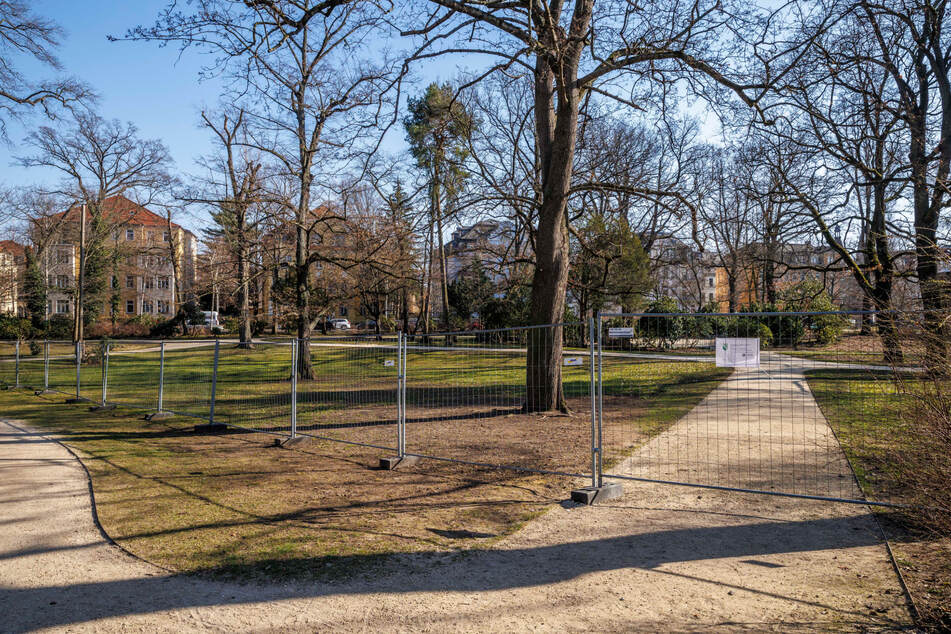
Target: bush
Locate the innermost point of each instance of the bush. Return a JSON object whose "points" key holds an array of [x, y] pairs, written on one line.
{"points": [[259, 326], [15, 328], [35, 348], [765, 335], [665, 329], [59, 327]]}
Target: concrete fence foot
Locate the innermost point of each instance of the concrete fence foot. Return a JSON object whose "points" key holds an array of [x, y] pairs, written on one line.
{"points": [[394, 462], [596, 495]]}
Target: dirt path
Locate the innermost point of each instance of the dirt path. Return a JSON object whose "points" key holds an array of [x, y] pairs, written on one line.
{"points": [[663, 558], [760, 429]]}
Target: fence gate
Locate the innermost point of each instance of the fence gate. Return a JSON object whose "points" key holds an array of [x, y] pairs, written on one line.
{"points": [[730, 400]]}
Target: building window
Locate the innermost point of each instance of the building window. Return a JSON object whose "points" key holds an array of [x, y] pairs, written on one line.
{"points": [[148, 283], [62, 281], [62, 306], [163, 307], [710, 282], [146, 306], [63, 256], [130, 234], [130, 281], [166, 237], [343, 311], [130, 306], [163, 282]]}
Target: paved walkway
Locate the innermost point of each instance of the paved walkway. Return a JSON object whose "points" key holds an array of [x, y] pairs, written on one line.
{"points": [[667, 558], [759, 429]]}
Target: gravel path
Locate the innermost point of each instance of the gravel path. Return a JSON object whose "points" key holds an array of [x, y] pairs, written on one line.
{"points": [[670, 558]]}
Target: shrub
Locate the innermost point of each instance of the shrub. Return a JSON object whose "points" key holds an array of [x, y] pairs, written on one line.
{"points": [[765, 335], [59, 327], [35, 348], [665, 329], [259, 326], [15, 328]]}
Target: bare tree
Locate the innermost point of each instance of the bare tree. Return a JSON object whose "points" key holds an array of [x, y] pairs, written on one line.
{"points": [[910, 45], [26, 35], [300, 66], [233, 187], [98, 160], [573, 54]]}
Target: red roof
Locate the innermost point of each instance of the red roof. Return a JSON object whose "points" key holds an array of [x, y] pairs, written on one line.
{"points": [[11, 247], [119, 209]]}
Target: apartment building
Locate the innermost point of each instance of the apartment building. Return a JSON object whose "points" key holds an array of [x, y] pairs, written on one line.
{"points": [[680, 271], [156, 260], [12, 264]]}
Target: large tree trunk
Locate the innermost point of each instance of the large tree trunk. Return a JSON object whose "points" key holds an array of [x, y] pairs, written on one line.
{"points": [[556, 130], [305, 366], [244, 331]]}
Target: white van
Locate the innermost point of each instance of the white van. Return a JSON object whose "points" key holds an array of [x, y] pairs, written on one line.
{"points": [[210, 317]]}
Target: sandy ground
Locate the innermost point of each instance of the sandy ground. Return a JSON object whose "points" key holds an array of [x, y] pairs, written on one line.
{"points": [[662, 558], [761, 429], [669, 558]]}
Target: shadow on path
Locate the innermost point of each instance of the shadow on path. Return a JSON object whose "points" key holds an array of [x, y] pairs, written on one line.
{"points": [[477, 571]]}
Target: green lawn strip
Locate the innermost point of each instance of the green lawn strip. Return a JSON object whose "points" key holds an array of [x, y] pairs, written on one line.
{"points": [[864, 410], [869, 417]]}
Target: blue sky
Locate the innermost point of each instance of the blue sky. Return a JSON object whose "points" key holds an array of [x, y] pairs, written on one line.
{"points": [[153, 87], [137, 82]]}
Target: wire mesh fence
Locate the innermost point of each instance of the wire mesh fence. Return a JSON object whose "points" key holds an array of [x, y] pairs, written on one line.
{"points": [[133, 373], [806, 404], [350, 393], [483, 397], [746, 401], [188, 376], [61, 367], [9, 361], [253, 386]]}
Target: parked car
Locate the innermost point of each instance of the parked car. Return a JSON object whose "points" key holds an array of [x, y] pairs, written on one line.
{"points": [[340, 323], [210, 318]]}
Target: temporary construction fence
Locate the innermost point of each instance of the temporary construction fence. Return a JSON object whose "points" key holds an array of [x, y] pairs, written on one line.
{"points": [[767, 402]]}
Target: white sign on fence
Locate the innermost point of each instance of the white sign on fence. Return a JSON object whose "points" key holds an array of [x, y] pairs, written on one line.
{"points": [[573, 361], [616, 333], [736, 352], [389, 363]]}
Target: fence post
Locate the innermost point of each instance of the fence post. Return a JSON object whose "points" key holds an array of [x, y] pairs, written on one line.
{"points": [[79, 362], [16, 371], [400, 388], [294, 352], [161, 376], [600, 406], [46, 366], [592, 390], [214, 384], [105, 373]]}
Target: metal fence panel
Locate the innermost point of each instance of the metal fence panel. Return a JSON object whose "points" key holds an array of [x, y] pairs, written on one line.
{"points": [[727, 400], [353, 395], [253, 386], [62, 367], [8, 363], [133, 373], [188, 372], [466, 397]]}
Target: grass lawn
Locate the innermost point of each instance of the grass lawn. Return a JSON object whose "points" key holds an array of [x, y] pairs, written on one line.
{"points": [[235, 505], [865, 411], [856, 349]]}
